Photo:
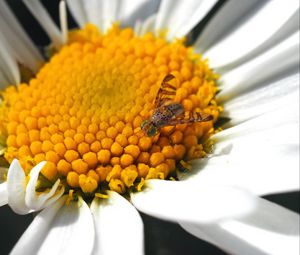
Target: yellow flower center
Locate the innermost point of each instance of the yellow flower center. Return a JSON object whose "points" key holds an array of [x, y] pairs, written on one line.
{"points": [[81, 111]]}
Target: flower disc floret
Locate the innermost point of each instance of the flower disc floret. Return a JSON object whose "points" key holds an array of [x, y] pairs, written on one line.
{"points": [[81, 111]]}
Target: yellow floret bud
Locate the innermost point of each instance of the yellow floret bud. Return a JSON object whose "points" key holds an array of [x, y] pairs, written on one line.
{"points": [[157, 158], [71, 155], [49, 171], [36, 147], [83, 148], [87, 184], [60, 149], [176, 137], [111, 132], [73, 179], [79, 166], [114, 173], [95, 146], [22, 139], [94, 175], [103, 156], [116, 149], [89, 138], [63, 167], [143, 169], [126, 160], [117, 185], [179, 151], [143, 157], [91, 159], [52, 156], [122, 140], [11, 141], [47, 146], [106, 143], [70, 144], [34, 135], [128, 176], [39, 157], [132, 150]]}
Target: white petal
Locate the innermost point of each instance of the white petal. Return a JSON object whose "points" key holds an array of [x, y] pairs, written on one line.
{"points": [[119, 228], [8, 63], [63, 21], [132, 10], [189, 202], [72, 231], [148, 25], [23, 47], [261, 154], [77, 11], [45, 20], [3, 194], [37, 202], [270, 229], [223, 21], [185, 15], [280, 60], [3, 80], [274, 95], [16, 185], [94, 12], [262, 25], [59, 229], [37, 231]]}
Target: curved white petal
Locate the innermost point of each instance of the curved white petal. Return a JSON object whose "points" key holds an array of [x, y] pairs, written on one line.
{"points": [[260, 155], [148, 25], [3, 80], [3, 194], [275, 95], [37, 231], [59, 229], [189, 202], [131, 11], [279, 60], [44, 19], [224, 21], [72, 231], [119, 228], [94, 11], [77, 11], [16, 185], [23, 47], [37, 202], [185, 15], [63, 21], [269, 229], [262, 25], [8, 63]]}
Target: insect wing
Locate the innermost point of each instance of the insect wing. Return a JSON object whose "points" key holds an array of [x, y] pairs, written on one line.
{"points": [[190, 117], [166, 91]]}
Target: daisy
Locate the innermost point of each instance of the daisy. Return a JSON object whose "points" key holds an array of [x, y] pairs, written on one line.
{"points": [[70, 125]]}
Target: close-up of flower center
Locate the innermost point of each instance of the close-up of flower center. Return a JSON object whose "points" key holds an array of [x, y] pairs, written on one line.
{"points": [[82, 112]]}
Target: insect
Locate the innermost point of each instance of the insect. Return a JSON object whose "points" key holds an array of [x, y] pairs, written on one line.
{"points": [[168, 113]]}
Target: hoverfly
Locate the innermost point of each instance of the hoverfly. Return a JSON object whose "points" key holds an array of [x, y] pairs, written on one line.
{"points": [[168, 113]]}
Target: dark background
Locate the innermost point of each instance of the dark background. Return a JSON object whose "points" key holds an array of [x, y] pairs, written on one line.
{"points": [[161, 237]]}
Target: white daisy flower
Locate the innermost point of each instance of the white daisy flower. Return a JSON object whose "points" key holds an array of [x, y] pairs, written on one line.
{"points": [[72, 127]]}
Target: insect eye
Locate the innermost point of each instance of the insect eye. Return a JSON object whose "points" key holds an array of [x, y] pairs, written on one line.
{"points": [[152, 131]]}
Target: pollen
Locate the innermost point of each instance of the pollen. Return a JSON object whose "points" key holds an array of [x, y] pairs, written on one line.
{"points": [[83, 110]]}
